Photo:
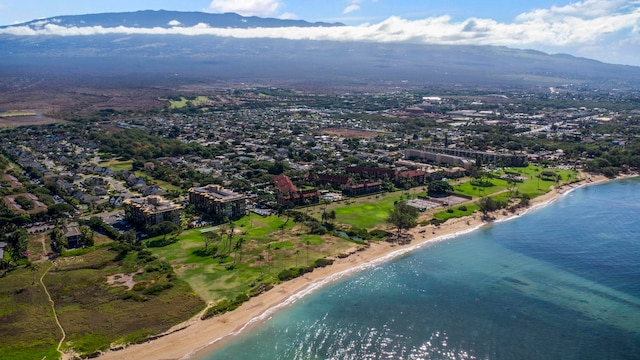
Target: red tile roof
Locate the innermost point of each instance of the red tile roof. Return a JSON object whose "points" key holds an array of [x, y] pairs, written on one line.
{"points": [[284, 184]]}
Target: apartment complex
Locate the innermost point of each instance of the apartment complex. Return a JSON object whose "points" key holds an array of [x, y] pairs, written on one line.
{"points": [[218, 203], [151, 210]]}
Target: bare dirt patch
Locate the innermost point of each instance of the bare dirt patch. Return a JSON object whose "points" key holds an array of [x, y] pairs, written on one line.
{"points": [[122, 279]]}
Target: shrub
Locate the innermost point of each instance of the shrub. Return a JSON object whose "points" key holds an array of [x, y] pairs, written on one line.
{"points": [[322, 262], [156, 289], [161, 242], [260, 289], [378, 234]]}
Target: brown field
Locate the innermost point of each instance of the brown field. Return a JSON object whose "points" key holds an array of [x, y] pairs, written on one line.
{"points": [[350, 133], [15, 121]]}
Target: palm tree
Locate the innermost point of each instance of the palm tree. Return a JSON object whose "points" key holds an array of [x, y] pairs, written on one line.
{"points": [[236, 249], [269, 256]]}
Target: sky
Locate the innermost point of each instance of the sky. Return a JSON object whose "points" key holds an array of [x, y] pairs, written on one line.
{"points": [[605, 30]]}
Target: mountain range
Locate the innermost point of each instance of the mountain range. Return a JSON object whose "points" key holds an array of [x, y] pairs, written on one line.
{"points": [[209, 57]]}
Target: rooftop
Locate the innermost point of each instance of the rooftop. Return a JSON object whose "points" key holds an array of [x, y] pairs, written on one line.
{"points": [[217, 192], [153, 204]]}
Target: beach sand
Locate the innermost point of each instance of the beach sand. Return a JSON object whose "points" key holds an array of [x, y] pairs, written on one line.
{"points": [[196, 338]]}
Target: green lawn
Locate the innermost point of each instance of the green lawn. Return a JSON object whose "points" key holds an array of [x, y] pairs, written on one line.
{"points": [[200, 100], [267, 249], [161, 183], [366, 212], [533, 185], [117, 165], [456, 212]]}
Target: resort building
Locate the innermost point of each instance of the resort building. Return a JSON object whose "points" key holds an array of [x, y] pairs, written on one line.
{"points": [[289, 195], [465, 158], [399, 178], [218, 203], [151, 210]]}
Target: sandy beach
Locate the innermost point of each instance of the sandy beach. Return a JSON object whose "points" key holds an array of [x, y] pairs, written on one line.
{"points": [[197, 338]]}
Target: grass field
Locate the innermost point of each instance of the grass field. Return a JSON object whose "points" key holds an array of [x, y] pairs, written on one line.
{"points": [[365, 212], [117, 165], [267, 250], [200, 100], [8, 114], [161, 183], [28, 330], [94, 313]]}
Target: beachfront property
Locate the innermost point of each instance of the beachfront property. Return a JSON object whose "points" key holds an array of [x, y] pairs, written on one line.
{"points": [[399, 178], [348, 185], [151, 210], [218, 203], [288, 193], [463, 157]]}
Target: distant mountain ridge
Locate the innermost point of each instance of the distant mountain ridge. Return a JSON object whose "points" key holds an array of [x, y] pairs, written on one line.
{"points": [[167, 19], [204, 58]]}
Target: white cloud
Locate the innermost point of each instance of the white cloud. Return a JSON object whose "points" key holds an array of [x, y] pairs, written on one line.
{"points": [[174, 23], [350, 8], [581, 9], [288, 16], [246, 7], [596, 29]]}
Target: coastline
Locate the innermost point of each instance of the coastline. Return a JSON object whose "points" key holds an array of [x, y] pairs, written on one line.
{"points": [[196, 338]]}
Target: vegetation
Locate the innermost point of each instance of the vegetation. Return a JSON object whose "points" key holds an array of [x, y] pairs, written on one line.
{"points": [[403, 216], [93, 311]]}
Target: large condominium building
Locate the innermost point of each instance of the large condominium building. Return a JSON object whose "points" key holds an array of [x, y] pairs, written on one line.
{"points": [[151, 210], [218, 203]]}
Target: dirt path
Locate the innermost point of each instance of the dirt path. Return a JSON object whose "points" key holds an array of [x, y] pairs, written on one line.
{"points": [[55, 315]]}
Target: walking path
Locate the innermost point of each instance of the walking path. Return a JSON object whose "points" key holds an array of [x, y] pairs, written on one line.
{"points": [[53, 308]]}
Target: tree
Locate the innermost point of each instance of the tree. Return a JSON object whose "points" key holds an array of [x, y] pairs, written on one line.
{"points": [[209, 237], [403, 216], [236, 248], [489, 204], [163, 228], [439, 188], [18, 242], [86, 236], [58, 240], [130, 237], [331, 216]]}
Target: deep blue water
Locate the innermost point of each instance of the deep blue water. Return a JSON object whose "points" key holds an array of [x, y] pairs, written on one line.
{"points": [[562, 282]]}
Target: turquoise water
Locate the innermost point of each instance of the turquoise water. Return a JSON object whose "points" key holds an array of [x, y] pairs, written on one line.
{"points": [[562, 282]]}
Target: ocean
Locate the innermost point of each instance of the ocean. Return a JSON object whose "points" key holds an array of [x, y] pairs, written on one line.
{"points": [[561, 282]]}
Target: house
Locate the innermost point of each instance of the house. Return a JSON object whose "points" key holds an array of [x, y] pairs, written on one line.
{"points": [[73, 235], [217, 202]]}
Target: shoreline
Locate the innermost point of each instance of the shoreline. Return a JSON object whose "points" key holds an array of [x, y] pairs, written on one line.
{"points": [[195, 339]]}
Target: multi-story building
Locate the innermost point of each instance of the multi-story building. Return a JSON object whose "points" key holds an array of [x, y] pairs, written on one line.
{"points": [[218, 203], [151, 210], [288, 193], [465, 158]]}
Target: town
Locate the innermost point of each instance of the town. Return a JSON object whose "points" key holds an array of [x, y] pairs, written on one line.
{"points": [[223, 172]]}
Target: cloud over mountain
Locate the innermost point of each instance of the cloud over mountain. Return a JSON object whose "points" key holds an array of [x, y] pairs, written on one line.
{"points": [[246, 7], [608, 30]]}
